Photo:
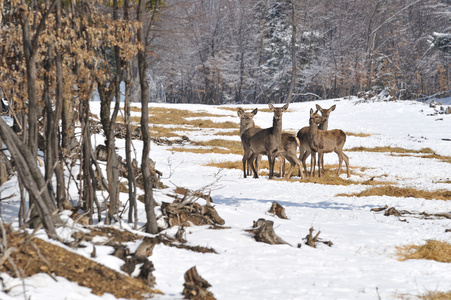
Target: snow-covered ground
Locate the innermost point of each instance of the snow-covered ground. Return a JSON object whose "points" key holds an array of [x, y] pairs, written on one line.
{"points": [[361, 264]]}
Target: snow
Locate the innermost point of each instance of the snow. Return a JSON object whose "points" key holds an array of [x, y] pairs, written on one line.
{"points": [[362, 262]]}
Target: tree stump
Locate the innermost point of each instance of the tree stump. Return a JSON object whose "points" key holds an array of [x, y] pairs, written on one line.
{"points": [[263, 231], [195, 287], [278, 210]]}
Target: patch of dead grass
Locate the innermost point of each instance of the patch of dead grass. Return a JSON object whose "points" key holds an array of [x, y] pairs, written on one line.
{"points": [[392, 150], [235, 109], [442, 158], [436, 296], [201, 150], [219, 146], [357, 134], [229, 133], [432, 250], [33, 255], [170, 116], [329, 177], [393, 191]]}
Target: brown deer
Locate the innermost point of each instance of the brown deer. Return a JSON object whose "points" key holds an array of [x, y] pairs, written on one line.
{"points": [[247, 130], [304, 137], [267, 141], [288, 149], [325, 141]]}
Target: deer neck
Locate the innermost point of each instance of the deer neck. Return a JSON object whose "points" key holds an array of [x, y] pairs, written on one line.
{"points": [[313, 129], [277, 128], [245, 127], [324, 125]]}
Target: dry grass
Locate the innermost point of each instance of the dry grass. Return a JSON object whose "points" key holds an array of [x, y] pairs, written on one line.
{"points": [[393, 191], [391, 150], [436, 296], [201, 150], [442, 158], [432, 250], [229, 133], [169, 116], [357, 134], [214, 146], [260, 109], [329, 177]]}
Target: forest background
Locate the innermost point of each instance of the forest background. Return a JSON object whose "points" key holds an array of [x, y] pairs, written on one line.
{"points": [[55, 55]]}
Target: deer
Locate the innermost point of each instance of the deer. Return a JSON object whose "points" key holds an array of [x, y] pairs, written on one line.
{"points": [[325, 141], [267, 141], [247, 130], [288, 149], [303, 137]]}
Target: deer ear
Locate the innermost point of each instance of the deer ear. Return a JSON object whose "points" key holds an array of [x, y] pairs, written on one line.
{"points": [[255, 111], [271, 106], [240, 112], [332, 108], [318, 107], [311, 112], [285, 107]]}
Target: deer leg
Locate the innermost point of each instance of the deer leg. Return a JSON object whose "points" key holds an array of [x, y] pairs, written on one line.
{"points": [[346, 159], [313, 163], [298, 163], [301, 155], [258, 162], [320, 160], [251, 161], [340, 161], [244, 160], [322, 164], [303, 159], [271, 160], [281, 165]]}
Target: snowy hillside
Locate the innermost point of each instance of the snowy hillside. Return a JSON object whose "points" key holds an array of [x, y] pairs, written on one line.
{"points": [[361, 263]]}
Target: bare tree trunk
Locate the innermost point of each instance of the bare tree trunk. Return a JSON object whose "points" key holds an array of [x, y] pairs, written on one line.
{"points": [[112, 159], [133, 209], [294, 72], [32, 178], [151, 225], [60, 183], [88, 178]]}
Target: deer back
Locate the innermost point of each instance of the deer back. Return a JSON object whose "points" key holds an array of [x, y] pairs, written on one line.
{"points": [[330, 140]]}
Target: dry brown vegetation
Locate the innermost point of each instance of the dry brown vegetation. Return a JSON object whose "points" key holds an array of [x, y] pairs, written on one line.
{"points": [[33, 255], [266, 110], [436, 296], [180, 118], [432, 250], [393, 191], [329, 177], [229, 133], [426, 152], [391, 150], [213, 146], [357, 134]]}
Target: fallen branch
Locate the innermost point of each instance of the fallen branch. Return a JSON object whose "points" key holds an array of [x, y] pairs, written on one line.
{"points": [[312, 241]]}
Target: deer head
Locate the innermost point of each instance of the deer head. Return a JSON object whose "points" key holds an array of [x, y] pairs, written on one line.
{"points": [[278, 111], [316, 118]]}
